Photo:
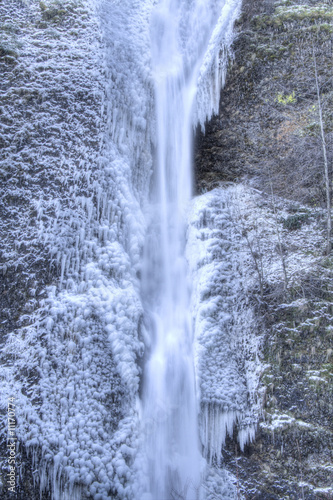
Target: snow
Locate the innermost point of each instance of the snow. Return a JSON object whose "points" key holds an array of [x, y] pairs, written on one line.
{"points": [[328, 490], [278, 422], [214, 65], [80, 345], [224, 225], [226, 332]]}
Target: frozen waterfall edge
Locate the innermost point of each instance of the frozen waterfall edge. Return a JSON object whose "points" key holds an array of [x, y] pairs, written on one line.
{"points": [[227, 340]]}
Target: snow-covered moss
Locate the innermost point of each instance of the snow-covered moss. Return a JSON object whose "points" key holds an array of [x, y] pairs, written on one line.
{"points": [[72, 229]]}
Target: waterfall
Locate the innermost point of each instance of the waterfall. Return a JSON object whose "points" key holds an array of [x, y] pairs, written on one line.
{"points": [[181, 31]]}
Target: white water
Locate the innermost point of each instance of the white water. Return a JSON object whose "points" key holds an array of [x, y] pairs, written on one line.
{"points": [[180, 34]]}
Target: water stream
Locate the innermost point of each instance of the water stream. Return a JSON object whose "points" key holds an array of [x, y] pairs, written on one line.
{"points": [[180, 33]]}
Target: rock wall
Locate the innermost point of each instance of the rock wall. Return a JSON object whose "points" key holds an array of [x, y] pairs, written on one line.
{"points": [[75, 167], [268, 125], [267, 136], [50, 124]]}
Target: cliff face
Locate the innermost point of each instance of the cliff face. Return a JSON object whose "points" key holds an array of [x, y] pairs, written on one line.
{"points": [[69, 213], [268, 122], [267, 135], [49, 113], [69, 204]]}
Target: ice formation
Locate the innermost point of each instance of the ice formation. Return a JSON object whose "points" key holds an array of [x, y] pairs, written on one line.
{"points": [[226, 343], [73, 367]]}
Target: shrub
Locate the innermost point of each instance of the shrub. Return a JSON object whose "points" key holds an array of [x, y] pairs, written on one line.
{"points": [[294, 222]]}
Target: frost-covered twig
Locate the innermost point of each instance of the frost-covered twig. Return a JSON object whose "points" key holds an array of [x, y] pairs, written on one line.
{"points": [[256, 254], [326, 174], [283, 261]]}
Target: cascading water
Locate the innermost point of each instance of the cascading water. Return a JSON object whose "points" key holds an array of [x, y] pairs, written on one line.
{"points": [[180, 34]]}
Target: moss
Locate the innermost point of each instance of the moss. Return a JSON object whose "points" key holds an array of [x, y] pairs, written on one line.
{"points": [[7, 52], [312, 128], [325, 27], [302, 13], [261, 22], [57, 10], [286, 98], [294, 222], [9, 43], [9, 28], [53, 14], [327, 263], [303, 18]]}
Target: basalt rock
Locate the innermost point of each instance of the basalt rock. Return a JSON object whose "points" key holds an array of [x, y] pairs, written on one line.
{"points": [[267, 134]]}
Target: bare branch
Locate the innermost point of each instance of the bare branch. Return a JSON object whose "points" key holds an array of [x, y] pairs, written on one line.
{"points": [[326, 174]]}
